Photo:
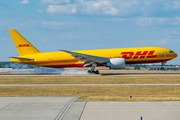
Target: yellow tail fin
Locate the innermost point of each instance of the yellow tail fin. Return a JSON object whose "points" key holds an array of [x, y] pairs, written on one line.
{"points": [[22, 45]]}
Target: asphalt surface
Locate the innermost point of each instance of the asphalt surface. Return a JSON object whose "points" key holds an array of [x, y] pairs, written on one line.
{"points": [[113, 74], [64, 108]]}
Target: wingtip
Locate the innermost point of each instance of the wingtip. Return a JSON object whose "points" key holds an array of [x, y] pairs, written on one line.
{"points": [[63, 50]]}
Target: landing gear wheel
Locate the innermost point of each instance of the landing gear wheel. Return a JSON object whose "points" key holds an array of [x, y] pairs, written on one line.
{"points": [[162, 68], [97, 72], [90, 72]]}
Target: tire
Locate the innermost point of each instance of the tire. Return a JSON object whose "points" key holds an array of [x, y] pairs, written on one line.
{"points": [[89, 71], [162, 68], [97, 72]]}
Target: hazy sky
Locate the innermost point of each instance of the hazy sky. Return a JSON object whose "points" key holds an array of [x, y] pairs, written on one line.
{"points": [[51, 25]]}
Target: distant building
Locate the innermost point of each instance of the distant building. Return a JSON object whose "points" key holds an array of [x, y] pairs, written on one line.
{"points": [[6, 69], [165, 68]]}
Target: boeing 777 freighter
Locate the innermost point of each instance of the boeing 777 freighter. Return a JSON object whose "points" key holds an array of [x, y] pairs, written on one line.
{"points": [[113, 58]]}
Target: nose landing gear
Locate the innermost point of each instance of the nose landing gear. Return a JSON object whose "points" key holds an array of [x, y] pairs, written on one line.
{"points": [[162, 68]]}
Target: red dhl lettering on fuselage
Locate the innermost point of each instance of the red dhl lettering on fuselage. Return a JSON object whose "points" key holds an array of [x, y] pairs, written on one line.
{"points": [[138, 54], [24, 45]]}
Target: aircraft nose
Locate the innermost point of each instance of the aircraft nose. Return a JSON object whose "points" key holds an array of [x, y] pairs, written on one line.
{"points": [[175, 55]]}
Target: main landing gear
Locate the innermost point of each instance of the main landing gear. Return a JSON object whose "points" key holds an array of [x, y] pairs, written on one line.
{"points": [[92, 71]]}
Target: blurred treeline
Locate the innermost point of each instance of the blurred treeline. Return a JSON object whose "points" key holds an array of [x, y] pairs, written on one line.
{"points": [[16, 65]]}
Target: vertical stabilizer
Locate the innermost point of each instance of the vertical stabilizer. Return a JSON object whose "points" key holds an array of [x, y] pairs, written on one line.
{"points": [[22, 45]]}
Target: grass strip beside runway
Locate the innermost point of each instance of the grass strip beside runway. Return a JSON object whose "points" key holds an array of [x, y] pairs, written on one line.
{"points": [[98, 93], [88, 79]]}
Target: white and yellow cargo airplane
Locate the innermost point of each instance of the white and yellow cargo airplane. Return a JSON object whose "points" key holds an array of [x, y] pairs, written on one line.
{"points": [[112, 58]]}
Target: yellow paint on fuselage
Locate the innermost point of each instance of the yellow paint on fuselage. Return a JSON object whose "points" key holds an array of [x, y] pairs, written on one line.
{"points": [[64, 59]]}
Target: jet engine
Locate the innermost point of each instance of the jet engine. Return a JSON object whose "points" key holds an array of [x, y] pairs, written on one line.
{"points": [[116, 63]]}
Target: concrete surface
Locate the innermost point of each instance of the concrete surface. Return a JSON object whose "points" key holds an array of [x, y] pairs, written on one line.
{"points": [[132, 111], [53, 108], [32, 108]]}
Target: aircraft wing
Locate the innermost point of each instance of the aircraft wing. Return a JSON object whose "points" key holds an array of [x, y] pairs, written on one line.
{"points": [[89, 59], [21, 58]]}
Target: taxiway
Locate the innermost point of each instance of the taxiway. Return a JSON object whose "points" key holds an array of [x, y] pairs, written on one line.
{"points": [[64, 108]]}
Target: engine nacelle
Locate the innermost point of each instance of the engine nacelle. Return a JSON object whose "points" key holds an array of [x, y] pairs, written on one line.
{"points": [[116, 63]]}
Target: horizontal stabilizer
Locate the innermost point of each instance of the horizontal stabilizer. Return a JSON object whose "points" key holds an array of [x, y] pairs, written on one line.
{"points": [[22, 58]]}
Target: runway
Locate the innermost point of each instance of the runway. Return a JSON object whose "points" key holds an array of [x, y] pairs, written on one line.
{"points": [[168, 84], [113, 74], [64, 108]]}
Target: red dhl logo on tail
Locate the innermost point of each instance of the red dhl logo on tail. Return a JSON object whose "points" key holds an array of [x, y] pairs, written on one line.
{"points": [[24, 45], [138, 54]]}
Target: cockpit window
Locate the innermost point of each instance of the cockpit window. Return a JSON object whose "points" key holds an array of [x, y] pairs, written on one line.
{"points": [[172, 52]]}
